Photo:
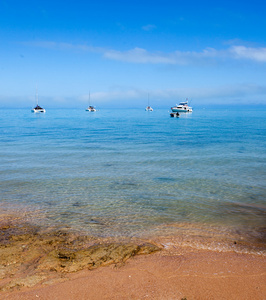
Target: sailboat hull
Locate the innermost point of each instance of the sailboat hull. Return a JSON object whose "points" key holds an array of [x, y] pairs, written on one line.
{"points": [[90, 109], [37, 111]]}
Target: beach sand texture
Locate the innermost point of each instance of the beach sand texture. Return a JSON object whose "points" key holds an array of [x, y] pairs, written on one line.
{"points": [[193, 274]]}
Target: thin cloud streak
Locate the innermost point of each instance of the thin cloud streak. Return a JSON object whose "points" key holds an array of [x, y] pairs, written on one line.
{"points": [[138, 55], [142, 56]]}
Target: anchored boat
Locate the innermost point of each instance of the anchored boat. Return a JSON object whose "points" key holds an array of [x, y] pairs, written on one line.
{"points": [[182, 107], [37, 108], [149, 108], [90, 107]]}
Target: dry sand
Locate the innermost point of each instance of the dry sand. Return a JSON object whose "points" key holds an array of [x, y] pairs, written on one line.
{"points": [[185, 273]]}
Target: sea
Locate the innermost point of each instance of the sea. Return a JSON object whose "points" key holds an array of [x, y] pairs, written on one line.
{"points": [[133, 173]]}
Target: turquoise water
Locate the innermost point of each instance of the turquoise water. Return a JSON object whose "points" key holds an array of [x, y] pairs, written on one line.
{"points": [[129, 172]]}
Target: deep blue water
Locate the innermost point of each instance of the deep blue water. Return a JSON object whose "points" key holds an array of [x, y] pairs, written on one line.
{"points": [[125, 172]]}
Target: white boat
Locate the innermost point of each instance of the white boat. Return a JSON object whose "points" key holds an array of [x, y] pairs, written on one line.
{"points": [[90, 107], [182, 107], [37, 108], [149, 108]]}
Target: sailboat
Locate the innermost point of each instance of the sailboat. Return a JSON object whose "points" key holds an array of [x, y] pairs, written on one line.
{"points": [[90, 107], [149, 108], [37, 108]]}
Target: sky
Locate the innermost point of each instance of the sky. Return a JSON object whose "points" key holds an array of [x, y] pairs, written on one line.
{"points": [[123, 53]]}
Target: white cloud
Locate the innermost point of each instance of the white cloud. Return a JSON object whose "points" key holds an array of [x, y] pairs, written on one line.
{"points": [[142, 56], [138, 55], [242, 52]]}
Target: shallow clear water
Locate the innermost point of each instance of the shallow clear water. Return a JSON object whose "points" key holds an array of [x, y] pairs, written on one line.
{"points": [[128, 172]]}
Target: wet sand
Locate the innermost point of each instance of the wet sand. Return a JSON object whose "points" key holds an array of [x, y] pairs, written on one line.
{"points": [[186, 274]]}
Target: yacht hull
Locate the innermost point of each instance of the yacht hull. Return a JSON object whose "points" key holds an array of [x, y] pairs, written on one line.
{"points": [[176, 109]]}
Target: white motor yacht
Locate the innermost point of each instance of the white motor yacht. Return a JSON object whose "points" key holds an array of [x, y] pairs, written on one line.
{"points": [[182, 107]]}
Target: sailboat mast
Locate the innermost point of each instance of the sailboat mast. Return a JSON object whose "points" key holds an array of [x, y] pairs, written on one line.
{"points": [[36, 96]]}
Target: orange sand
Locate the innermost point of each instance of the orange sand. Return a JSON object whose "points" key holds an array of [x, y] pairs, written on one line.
{"points": [[188, 274]]}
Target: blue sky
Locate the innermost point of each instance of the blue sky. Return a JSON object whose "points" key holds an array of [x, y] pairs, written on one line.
{"points": [[212, 52]]}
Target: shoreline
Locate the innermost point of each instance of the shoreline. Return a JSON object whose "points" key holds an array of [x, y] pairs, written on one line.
{"points": [[241, 239], [197, 264]]}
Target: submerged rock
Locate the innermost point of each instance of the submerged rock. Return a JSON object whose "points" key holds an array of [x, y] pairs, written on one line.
{"points": [[65, 260]]}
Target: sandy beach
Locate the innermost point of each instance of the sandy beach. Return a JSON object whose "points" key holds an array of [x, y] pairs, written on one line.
{"points": [[183, 273], [39, 264]]}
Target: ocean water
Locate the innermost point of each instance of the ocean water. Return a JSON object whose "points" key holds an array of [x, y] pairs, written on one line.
{"points": [[128, 172]]}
